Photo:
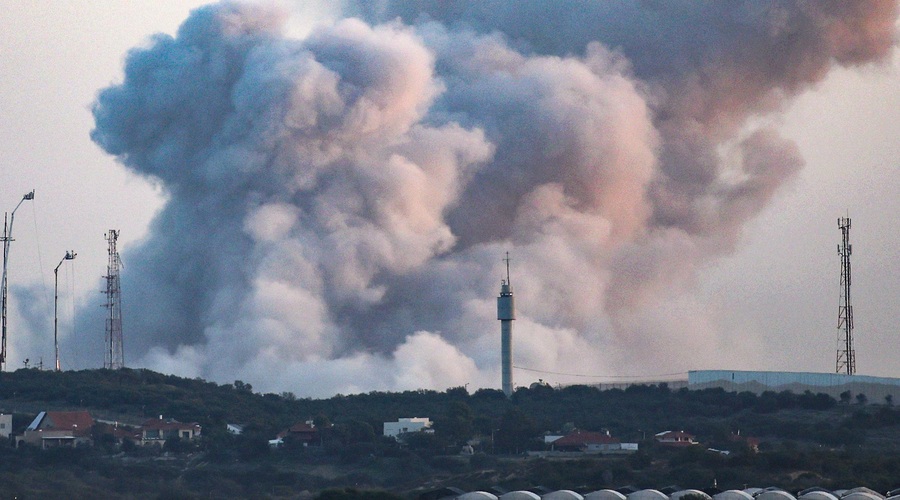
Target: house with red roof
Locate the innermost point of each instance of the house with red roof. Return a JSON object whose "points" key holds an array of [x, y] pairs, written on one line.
{"points": [[157, 430], [579, 440], [301, 432], [58, 429], [751, 442], [675, 438]]}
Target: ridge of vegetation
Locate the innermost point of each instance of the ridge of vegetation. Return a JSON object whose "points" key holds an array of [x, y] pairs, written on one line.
{"points": [[806, 439]]}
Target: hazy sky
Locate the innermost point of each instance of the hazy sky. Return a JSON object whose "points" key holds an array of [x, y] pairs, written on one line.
{"points": [[771, 305]]}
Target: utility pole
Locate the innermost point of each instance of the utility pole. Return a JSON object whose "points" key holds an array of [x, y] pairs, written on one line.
{"points": [[4, 289], [70, 255]]}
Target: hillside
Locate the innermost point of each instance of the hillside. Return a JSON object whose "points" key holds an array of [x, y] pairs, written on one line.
{"points": [[805, 440]]}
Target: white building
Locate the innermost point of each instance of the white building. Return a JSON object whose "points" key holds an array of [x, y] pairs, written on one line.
{"points": [[5, 425], [405, 425]]}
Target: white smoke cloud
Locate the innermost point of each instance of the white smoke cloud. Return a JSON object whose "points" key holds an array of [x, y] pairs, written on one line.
{"points": [[339, 204]]}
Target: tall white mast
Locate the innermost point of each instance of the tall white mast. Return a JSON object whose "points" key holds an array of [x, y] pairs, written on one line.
{"points": [[506, 313]]}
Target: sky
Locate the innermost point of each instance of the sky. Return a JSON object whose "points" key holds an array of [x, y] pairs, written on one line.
{"points": [[379, 270]]}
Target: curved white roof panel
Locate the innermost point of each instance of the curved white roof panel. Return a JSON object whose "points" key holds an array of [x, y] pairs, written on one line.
{"points": [[679, 494], [734, 495], [477, 495], [562, 495], [520, 495], [604, 495], [863, 489], [862, 495], [647, 495], [817, 495], [775, 495]]}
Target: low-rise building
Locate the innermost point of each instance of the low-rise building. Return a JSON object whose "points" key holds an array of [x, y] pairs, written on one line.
{"points": [[407, 425], [56, 429], [751, 442], [580, 441], [156, 431], [305, 433], [5, 425], [675, 438]]}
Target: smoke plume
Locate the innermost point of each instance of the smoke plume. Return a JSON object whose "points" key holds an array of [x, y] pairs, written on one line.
{"points": [[338, 205]]}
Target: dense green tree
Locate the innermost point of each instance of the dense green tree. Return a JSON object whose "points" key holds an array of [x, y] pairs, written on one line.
{"points": [[845, 397], [456, 424], [517, 432], [358, 431]]}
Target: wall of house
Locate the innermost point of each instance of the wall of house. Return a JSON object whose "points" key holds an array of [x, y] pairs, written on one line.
{"points": [[5, 425]]}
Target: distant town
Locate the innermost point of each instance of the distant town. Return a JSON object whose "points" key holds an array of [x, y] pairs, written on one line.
{"points": [[636, 440]]}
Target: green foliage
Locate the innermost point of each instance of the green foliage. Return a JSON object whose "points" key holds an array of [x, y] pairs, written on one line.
{"points": [[358, 431], [807, 438], [810, 401], [457, 423], [517, 432], [426, 443], [845, 397]]}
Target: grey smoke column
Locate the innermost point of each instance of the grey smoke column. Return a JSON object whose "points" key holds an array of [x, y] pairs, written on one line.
{"points": [[506, 313], [319, 188]]}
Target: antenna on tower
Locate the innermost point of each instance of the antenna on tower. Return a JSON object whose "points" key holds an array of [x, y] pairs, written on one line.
{"points": [[846, 355], [507, 268], [114, 357]]}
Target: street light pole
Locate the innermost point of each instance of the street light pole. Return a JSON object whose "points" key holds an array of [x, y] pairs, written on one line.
{"points": [[70, 255], [7, 239]]}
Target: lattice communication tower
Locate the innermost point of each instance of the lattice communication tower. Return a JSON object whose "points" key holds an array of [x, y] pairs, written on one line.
{"points": [[846, 356], [114, 357]]}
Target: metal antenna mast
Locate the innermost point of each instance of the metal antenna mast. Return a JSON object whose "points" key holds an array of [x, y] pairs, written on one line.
{"points": [[6, 239], [846, 355], [114, 357], [508, 282]]}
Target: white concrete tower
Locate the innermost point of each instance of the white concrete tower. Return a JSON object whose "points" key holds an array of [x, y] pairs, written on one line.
{"points": [[506, 313]]}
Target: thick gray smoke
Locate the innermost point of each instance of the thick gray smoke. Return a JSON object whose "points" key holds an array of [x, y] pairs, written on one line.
{"points": [[338, 205]]}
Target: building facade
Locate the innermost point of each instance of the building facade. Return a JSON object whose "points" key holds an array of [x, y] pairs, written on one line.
{"points": [[406, 425]]}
